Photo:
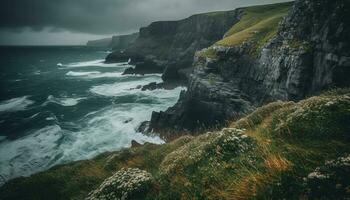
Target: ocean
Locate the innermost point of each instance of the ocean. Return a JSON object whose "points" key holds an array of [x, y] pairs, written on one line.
{"points": [[61, 104]]}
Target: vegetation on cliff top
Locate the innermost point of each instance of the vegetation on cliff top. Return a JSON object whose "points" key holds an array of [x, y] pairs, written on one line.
{"points": [[258, 24], [282, 150]]}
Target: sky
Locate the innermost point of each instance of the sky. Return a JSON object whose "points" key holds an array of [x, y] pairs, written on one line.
{"points": [[74, 22]]}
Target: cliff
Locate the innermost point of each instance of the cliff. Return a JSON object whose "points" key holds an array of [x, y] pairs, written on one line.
{"points": [[284, 150], [169, 46], [99, 43], [270, 54], [122, 42], [117, 43]]}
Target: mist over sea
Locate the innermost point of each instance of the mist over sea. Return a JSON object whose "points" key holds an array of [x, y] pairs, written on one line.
{"points": [[61, 104]]}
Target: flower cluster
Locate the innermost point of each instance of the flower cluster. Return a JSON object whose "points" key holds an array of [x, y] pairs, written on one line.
{"points": [[123, 185], [332, 180], [229, 142]]}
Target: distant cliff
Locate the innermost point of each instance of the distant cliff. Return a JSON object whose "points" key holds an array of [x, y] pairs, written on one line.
{"points": [[265, 57], [99, 43], [118, 42], [169, 46], [122, 42]]}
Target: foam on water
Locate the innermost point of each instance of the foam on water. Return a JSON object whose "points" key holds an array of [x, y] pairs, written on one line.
{"points": [[15, 104], [29, 154], [126, 88], [95, 74], [93, 63], [64, 101], [71, 73]]}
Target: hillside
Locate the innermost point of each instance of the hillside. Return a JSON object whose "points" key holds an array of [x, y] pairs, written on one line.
{"points": [[282, 150]]}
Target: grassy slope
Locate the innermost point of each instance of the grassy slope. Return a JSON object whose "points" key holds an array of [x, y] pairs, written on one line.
{"points": [[288, 141], [258, 25]]}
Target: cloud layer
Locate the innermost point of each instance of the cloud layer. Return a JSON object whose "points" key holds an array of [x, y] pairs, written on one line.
{"points": [[104, 16]]}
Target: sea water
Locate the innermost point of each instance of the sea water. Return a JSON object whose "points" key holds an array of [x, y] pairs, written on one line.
{"points": [[61, 104]]}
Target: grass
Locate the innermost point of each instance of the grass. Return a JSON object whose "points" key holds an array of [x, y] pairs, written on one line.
{"points": [[258, 25], [265, 155], [208, 53]]}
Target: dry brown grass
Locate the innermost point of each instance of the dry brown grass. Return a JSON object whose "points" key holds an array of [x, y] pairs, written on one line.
{"points": [[277, 163]]}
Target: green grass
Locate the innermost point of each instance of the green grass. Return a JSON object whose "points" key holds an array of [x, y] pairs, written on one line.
{"points": [[258, 25]]}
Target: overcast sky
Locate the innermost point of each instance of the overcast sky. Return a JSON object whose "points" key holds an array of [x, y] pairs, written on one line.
{"points": [[64, 22]]}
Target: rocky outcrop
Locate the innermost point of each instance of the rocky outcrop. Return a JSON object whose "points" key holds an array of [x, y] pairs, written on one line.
{"points": [[169, 46], [309, 53]]}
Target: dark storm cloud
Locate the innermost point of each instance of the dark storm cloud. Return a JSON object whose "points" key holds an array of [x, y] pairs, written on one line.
{"points": [[104, 16]]}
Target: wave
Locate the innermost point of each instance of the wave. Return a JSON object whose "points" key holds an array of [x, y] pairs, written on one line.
{"points": [[64, 101], [95, 74], [29, 154], [134, 88], [15, 104], [71, 73], [93, 63]]}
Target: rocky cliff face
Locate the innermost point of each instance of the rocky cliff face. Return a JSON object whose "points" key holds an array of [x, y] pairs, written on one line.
{"points": [[309, 52], [170, 45]]}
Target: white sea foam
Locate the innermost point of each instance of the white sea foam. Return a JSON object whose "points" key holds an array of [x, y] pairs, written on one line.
{"points": [[65, 101], [133, 88], [94, 74], [15, 104], [71, 73], [93, 63], [29, 154]]}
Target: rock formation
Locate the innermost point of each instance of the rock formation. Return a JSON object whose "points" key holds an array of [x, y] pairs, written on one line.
{"points": [[169, 46]]}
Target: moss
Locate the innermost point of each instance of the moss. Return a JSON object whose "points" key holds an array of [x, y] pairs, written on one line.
{"points": [[299, 44], [258, 25], [208, 53]]}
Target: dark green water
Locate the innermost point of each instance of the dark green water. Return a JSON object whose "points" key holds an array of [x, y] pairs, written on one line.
{"points": [[59, 104]]}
